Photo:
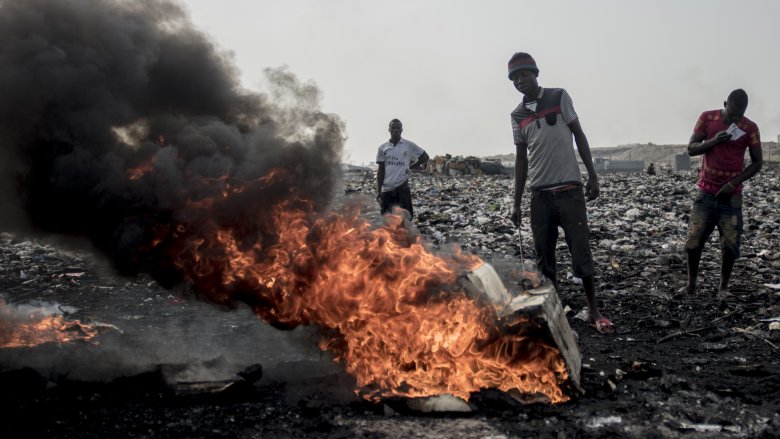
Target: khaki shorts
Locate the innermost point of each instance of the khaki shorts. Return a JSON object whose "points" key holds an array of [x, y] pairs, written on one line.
{"points": [[709, 212]]}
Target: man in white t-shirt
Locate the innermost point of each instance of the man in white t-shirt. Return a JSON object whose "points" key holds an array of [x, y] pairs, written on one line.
{"points": [[396, 158]]}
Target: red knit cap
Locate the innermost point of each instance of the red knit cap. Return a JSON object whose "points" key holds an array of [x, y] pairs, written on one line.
{"points": [[522, 61]]}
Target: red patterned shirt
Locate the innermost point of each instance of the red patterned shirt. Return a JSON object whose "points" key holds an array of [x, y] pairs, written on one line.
{"points": [[725, 160]]}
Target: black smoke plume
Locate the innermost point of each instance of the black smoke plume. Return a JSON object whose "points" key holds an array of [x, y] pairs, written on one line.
{"points": [[117, 116]]}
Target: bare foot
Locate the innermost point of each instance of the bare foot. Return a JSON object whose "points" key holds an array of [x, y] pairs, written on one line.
{"points": [[684, 292]]}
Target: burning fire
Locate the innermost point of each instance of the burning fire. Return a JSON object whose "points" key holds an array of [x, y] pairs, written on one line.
{"points": [[139, 171], [390, 310], [27, 326]]}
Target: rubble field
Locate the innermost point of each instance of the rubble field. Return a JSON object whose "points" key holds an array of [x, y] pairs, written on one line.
{"points": [[168, 365]]}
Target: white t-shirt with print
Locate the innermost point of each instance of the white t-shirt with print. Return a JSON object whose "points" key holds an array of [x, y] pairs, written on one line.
{"points": [[397, 159]]}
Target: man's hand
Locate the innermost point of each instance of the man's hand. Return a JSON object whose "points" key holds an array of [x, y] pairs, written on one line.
{"points": [[516, 216], [721, 137], [698, 145], [420, 162], [592, 188], [379, 198], [726, 191]]}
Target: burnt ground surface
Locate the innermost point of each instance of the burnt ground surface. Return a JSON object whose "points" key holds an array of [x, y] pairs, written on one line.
{"points": [[703, 366]]}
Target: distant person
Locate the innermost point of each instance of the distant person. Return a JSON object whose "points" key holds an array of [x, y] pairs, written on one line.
{"points": [[651, 169], [395, 159], [543, 125], [722, 137]]}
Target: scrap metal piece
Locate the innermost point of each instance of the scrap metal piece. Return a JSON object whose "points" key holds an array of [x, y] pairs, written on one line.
{"points": [[539, 304]]}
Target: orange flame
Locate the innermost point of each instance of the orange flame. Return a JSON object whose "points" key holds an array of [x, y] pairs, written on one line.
{"points": [[391, 310], [31, 326], [146, 165], [140, 170]]}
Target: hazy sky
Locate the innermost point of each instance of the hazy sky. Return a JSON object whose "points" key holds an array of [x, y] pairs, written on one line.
{"points": [[638, 71]]}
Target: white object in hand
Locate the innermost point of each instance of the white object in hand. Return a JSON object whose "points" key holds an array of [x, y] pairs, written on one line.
{"points": [[735, 131]]}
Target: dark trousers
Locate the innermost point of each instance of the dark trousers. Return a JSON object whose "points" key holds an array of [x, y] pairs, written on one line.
{"points": [[567, 210], [400, 196]]}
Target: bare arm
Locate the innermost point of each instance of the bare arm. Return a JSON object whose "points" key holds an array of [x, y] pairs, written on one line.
{"points": [[521, 173], [420, 162], [698, 145], [592, 186], [756, 162], [380, 178]]}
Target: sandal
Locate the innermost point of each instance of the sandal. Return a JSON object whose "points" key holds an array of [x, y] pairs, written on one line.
{"points": [[603, 326]]}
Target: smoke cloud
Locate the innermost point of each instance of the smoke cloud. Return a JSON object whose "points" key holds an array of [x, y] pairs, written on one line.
{"points": [[116, 117]]}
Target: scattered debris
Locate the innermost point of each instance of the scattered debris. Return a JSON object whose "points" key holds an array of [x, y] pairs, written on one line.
{"points": [[662, 367], [439, 403], [601, 421]]}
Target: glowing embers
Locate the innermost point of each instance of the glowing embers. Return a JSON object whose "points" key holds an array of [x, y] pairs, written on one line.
{"points": [[31, 325]]}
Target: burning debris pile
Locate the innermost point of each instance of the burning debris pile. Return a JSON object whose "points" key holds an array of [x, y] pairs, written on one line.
{"points": [[143, 142], [28, 325]]}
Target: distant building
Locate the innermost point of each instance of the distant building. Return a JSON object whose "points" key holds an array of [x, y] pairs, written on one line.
{"points": [[354, 170], [603, 165], [682, 162]]}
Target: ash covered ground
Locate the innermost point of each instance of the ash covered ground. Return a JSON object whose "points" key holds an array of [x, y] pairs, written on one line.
{"points": [[702, 366]]}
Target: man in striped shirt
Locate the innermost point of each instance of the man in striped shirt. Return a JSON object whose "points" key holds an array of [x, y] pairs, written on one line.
{"points": [[543, 125]]}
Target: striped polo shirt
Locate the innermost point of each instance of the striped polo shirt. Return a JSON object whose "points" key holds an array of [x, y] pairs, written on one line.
{"points": [[543, 125]]}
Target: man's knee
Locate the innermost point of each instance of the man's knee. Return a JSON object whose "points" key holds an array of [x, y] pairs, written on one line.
{"points": [[697, 235], [731, 234], [729, 243]]}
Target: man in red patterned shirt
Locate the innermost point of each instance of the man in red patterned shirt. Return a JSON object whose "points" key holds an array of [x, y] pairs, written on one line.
{"points": [[722, 137]]}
